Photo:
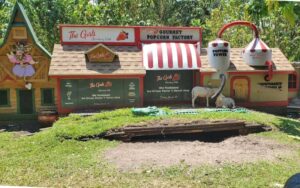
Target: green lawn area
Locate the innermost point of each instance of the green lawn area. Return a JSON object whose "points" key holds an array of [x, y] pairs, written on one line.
{"points": [[55, 158]]}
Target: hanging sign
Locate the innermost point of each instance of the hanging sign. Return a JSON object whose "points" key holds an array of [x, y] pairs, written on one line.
{"points": [[96, 34], [170, 34], [271, 85]]}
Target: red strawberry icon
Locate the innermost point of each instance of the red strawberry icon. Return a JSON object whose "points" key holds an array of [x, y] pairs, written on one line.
{"points": [[122, 36], [176, 77]]}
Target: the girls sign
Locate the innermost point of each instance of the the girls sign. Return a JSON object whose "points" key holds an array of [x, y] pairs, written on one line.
{"points": [[74, 34]]}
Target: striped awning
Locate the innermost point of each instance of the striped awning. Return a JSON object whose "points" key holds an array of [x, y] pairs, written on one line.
{"points": [[171, 56]]}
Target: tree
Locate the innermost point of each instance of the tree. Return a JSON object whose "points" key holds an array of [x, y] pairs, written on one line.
{"points": [[278, 23], [228, 11]]}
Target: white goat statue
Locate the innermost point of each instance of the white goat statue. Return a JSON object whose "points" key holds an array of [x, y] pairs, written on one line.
{"points": [[224, 102], [202, 92]]}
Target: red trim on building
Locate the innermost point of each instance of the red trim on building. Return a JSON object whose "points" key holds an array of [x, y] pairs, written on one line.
{"points": [[167, 41], [297, 83], [202, 75], [106, 43], [170, 27], [60, 31], [200, 37], [137, 35], [58, 92], [96, 76]]}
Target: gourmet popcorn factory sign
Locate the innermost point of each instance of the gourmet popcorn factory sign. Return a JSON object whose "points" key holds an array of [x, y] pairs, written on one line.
{"points": [[170, 34], [77, 34]]}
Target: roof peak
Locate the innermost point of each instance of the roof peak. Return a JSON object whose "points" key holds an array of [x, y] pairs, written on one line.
{"points": [[18, 7]]}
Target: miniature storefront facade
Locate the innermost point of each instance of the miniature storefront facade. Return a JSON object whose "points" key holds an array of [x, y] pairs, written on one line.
{"points": [[247, 85], [25, 87], [145, 66], [97, 67]]}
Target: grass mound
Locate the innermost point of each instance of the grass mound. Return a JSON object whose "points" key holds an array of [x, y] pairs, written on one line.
{"points": [[75, 126], [46, 159]]}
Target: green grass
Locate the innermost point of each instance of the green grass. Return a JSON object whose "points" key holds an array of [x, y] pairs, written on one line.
{"points": [[49, 159], [74, 126]]}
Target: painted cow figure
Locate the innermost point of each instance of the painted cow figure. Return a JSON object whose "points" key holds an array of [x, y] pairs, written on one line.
{"points": [[202, 92], [224, 102]]}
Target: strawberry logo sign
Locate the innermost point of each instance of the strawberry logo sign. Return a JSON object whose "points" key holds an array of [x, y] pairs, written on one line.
{"points": [[97, 34], [122, 36]]}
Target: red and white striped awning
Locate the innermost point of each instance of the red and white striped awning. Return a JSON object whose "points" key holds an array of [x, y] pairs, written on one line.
{"points": [[171, 56]]}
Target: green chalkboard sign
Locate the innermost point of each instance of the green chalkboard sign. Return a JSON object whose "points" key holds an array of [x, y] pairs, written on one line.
{"points": [[77, 93], [168, 86]]}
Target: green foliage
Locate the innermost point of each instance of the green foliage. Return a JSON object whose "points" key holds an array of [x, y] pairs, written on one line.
{"points": [[230, 10], [49, 14], [278, 22], [5, 8], [282, 29]]}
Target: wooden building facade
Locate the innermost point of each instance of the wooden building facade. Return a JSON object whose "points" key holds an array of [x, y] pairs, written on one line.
{"points": [[25, 87]]}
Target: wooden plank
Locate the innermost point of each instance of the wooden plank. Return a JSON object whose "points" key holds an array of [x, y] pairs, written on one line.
{"points": [[235, 125], [127, 133], [205, 126], [8, 72]]}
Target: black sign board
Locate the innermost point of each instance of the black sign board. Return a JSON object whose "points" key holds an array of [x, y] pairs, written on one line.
{"points": [[76, 93], [168, 86]]}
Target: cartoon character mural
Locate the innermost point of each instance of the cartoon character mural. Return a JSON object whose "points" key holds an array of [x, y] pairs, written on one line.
{"points": [[22, 59]]}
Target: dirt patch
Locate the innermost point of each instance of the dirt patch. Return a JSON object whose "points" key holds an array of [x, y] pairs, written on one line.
{"points": [[241, 149]]}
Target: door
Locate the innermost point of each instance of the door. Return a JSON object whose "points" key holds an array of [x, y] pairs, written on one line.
{"points": [[26, 102], [240, 89]]}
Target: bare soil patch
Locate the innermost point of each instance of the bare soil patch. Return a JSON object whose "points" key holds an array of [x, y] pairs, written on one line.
{"points": [[240, 149]]}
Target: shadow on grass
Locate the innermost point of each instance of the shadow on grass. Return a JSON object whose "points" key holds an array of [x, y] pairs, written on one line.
{"points": [[21, 126], [289, 126]]}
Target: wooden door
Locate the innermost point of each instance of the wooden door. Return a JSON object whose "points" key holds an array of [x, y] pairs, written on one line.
{"points": [[240, 89], [26, 102]]}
